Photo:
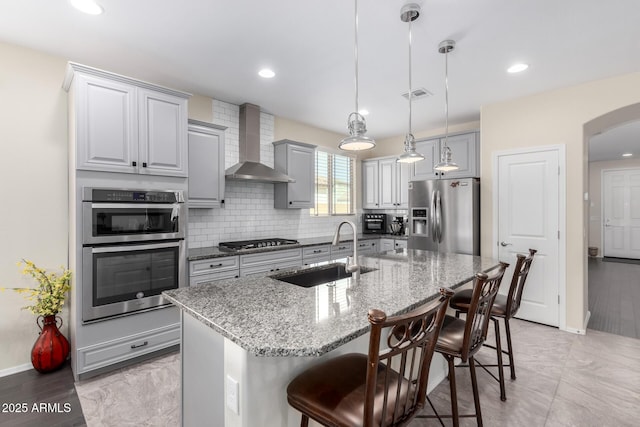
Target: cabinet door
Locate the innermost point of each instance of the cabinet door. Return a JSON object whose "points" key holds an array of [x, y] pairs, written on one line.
{"points": [[106, 125], [386, 245], [370, 184], [387, 179], [400, 244], [300, 168], [463, 152], [403, 171], [163, 133], [206, 167], [423, 169]]}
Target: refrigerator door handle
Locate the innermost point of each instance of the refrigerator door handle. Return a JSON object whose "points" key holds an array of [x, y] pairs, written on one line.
{"points": [[438, 217], [432, 217]]}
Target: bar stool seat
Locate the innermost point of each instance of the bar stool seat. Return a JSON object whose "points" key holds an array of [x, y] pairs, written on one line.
{"points": [[334, 391], [386, 387], [460, 302]]}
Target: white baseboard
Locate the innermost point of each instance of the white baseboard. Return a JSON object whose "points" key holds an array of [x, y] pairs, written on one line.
{"points": [[582, 331], [15, 369]]}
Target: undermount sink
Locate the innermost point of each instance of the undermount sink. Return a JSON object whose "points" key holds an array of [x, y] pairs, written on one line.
{"points": [[318, 275]]}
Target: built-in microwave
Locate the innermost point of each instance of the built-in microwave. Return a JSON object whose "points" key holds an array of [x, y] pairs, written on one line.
{"points": [[374, 223]]}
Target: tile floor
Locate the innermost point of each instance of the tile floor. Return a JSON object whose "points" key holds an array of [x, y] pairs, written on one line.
{"points": [[563, 380]]}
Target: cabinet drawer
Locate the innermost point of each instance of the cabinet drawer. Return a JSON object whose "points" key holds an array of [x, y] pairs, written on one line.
{"points": [[315, 251], [111, 352], [341, 250], [272, 257], [368, 247], [212, 265], [212, 277], [316, 259], [267, 268]]}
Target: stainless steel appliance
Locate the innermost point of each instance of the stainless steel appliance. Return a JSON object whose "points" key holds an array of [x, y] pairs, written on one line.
{"points": [[444, 215], [255, 244], [133, 249], [374, 223]]}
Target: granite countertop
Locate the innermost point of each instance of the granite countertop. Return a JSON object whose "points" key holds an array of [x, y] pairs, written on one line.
{"points": [[213, 251], [269, 317]]}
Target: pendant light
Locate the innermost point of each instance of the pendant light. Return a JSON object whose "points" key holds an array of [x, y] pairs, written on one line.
{"points": [[357, 140], [409, 13], [446, 164]]}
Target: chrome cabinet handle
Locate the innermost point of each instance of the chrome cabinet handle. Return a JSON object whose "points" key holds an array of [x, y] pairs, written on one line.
{"points": [[503, 244], [133, 346]]}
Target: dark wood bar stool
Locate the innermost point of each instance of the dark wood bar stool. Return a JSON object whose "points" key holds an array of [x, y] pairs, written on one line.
{"points": [[463, 338], [504, 307], [385, 388]]}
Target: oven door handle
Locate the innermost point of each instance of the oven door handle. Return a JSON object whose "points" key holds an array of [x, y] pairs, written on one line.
{"points": [[129, 248], [135, 205]]}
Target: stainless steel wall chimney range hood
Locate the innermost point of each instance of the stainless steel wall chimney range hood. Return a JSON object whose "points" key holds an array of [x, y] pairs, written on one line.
{"points": [[249, 168]]}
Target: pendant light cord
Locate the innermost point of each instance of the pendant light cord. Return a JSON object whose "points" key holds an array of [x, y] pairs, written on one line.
{"points": [[410, 86], [356, 54], [446, 98]]}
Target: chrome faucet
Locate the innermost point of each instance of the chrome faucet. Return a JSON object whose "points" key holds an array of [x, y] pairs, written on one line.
{"points": [[352, 261]]}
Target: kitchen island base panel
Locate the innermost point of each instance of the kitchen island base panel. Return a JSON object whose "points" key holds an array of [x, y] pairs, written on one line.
{"points": [[202, 368], [208, 359]]}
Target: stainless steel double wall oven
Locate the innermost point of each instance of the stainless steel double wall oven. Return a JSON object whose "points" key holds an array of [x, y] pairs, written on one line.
{"points": [[133, 249]]}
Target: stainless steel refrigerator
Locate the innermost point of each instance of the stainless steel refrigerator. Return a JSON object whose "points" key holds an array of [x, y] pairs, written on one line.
{"points": [[444, 215]]}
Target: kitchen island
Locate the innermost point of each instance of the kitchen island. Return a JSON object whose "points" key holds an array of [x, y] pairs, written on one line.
{"points": [[244, 339]]}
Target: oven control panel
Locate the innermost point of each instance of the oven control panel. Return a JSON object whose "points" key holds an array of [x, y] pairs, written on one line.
{"points": [[132, 196]]}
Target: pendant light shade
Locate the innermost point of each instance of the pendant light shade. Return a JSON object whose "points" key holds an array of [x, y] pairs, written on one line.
{"points": [[446, 164], [357, 140], [409, 13]]}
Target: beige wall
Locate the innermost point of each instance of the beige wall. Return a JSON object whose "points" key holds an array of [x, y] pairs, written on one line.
{"points": [[595, 196], [550, 118], [33, 173]]}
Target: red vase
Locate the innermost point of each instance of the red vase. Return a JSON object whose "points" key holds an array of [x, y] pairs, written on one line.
{"points": [[51, 348]]}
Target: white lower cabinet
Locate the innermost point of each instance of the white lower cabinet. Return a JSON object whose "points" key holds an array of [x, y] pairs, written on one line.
{"points": [[369, 246], [342, 250], [387, 244], [212, 269], [315, 254], [265, 262], [109, 353]]}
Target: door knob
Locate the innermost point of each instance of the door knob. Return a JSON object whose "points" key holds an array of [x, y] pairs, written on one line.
{"points": [[505, 244]]}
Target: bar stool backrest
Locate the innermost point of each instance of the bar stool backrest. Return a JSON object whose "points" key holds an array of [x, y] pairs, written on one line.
{"points": [[485, 289], [520, 273], [409, 344]]}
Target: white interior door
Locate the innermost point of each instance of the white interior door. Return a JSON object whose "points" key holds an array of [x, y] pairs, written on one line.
{"points": [[621, 206], [528, 189]]}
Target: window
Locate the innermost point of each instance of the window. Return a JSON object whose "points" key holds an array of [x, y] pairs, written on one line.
{"points": [[335, 180]]}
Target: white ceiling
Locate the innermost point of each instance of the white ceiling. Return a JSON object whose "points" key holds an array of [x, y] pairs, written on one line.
{"points": [[610, 145], [215, 48]]}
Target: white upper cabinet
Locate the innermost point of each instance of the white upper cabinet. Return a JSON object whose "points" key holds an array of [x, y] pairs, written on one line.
{"points": [[206, 165], [464, 151], [370, 193], [385, 184], [124, 125], [297, 160]]}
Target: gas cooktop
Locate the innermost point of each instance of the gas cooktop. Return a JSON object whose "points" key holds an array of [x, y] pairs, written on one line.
{"points": [[255, 244]]}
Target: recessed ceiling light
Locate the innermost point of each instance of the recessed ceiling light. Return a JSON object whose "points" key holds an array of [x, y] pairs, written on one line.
{"points": [[266, 73], [364, 112], [87, 6], [517, 68], [627, 155]]}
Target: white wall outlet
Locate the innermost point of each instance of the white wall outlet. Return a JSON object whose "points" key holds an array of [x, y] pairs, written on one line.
{"points": [[233, 394]]}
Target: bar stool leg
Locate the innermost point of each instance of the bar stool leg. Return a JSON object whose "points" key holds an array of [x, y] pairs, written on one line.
{"points": [[503, 394], [511, 363], [453, 391], [304, 422], [476, 395]]}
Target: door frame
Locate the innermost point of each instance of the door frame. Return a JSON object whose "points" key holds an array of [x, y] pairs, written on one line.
{"points": [[562, 217], [602, 200]]}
